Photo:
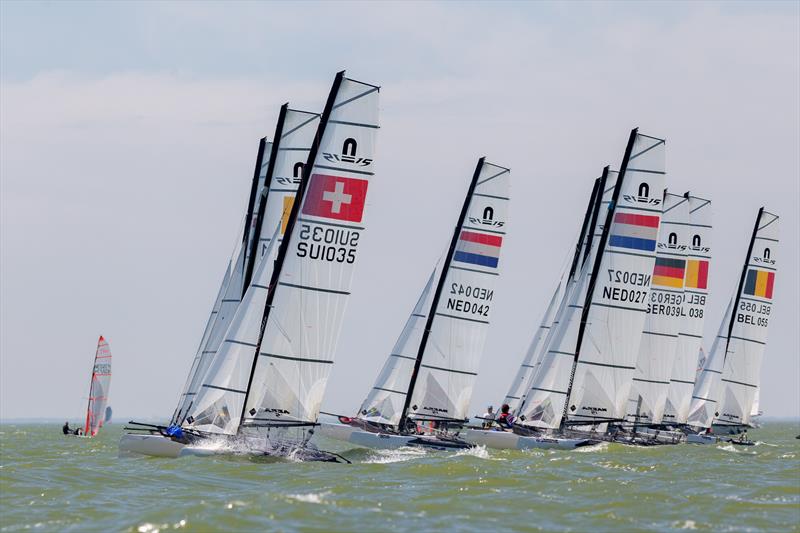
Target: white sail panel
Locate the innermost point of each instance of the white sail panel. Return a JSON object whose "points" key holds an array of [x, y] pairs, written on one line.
{"points": [[384, 403], [664, 318], [690, 337], [545, 401], [296, 135], [609, 348], [741, 374], [265, 152], [449, 364], [533, 356], [705, 396], [218, 404], [98, 388], [302, 328], [194, 378]]}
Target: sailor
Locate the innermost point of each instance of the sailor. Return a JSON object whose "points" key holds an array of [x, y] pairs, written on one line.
{"points": [[506, 419], [488, 417], [79, 432], [65, 428]]}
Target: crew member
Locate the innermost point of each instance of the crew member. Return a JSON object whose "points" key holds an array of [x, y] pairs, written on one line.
{"points": [[506, 419]]}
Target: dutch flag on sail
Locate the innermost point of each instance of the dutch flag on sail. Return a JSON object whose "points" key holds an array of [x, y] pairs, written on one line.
{"points": [[478, 249], [635, 232]]}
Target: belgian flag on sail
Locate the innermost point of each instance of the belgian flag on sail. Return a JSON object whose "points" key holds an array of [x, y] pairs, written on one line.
{"points": [[759, 283], [696, 274], [669, 272]]}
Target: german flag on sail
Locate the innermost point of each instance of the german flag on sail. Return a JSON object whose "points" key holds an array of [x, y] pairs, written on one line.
{"points": [[759, 283], [478, 249], [696, 274], [635, 232], [669, 272]]}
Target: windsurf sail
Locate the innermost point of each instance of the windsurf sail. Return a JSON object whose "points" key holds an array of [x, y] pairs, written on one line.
{"points": [[311, 280], [98, 388], [664, 315], [696, 286]]}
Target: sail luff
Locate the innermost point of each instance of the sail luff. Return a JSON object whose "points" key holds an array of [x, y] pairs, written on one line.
{"points": [[282, 250], [98, 388], [438, 292], [255, 189]]}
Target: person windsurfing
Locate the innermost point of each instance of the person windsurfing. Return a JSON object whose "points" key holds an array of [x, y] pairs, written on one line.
{"points": [[65, 428]]}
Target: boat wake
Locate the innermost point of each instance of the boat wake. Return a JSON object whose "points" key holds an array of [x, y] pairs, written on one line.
{"points": [[400, 455], [476, 451]]}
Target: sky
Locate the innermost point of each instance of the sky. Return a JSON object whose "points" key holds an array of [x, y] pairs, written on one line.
{"points": [[128, 134]]}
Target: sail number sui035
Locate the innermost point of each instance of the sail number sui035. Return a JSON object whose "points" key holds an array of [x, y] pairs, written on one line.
{"points": [[328, 244], [474, 293], [618, 294]]}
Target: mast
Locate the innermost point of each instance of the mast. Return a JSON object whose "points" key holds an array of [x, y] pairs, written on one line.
{"points": [[599, 202], [742, 278], [254, 190], [438, 292], [596, 267], [307, 168], [248, 274], [585, 236]]}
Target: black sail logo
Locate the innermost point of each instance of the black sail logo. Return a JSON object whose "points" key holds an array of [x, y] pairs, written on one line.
{"points": [[348, 155], [487, 218], [642, 197]]}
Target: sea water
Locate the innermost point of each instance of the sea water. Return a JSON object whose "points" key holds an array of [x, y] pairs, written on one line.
{"points": [[49, 482]]}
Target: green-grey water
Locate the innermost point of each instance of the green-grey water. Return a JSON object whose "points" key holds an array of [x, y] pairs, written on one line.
{"points": [[49, 482]]}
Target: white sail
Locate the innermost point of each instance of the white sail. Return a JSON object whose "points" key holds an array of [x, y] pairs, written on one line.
{"points": [[451, 356], [544, 403], [608, 349], [308, 305], [706, 392], [741, 373], [664, 318], [690, 338], [533, 356], [193, 379], [98, 388], [384, 403], [756, 410], [218, 404], [294, 135], [264, 154]]}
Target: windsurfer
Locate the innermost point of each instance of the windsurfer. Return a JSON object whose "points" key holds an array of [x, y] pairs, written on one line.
{"points": [[65, 428]]}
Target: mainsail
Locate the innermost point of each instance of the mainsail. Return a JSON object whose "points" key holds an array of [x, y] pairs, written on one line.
{"points": [[690, 337], [98, 388], [311, 282], [747, 337], [431, 371], [665, 313], [705, 394]]}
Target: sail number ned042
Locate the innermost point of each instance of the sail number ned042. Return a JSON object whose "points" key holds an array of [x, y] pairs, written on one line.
{"points": [[469, 299], [755, 314], [336, 245]]}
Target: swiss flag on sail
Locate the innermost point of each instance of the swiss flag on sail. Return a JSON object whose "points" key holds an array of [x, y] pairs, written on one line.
{"points": [[336, 197]]}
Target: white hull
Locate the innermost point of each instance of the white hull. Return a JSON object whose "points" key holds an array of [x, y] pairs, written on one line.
{"points": [[505, 440], [702, 439], [131, 444], [383, 441]]}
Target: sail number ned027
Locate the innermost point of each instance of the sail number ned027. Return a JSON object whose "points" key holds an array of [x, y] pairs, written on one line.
{"points": [[623, 294], [335, 245], [754, 313], [469, 299]]}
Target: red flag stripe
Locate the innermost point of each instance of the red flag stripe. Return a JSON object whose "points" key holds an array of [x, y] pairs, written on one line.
{"points": [[648, 221], [481, 238]]}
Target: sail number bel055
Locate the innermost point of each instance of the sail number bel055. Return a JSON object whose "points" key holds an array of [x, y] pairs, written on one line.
{"points": [[756, 314]]}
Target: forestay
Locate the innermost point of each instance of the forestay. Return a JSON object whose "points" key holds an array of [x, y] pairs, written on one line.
{"points": [[450, 355], [609, 341], [545, 401], [665, 313], [747, 340], [690, 338], [706, 392], [218, 404], [384, 403], [98, 388], [317, 263]]}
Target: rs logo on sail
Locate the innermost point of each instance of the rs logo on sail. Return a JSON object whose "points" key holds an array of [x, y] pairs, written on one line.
{"points": [[348, 155]]}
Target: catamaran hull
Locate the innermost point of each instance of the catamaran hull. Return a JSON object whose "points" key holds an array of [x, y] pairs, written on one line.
{"points": [[387, 441], [504, 440], [131, 445]]}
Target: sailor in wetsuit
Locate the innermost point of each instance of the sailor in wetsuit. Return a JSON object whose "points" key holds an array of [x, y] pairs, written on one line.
{"points": [[65, 428]]}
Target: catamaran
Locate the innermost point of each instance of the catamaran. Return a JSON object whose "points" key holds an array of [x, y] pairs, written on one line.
{"points": [[726, 390], [262, 391], [96, 411], [584, 380], [422, 395]]}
